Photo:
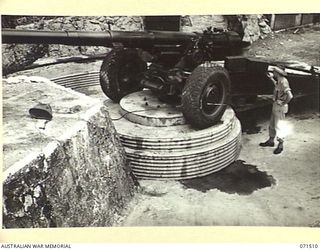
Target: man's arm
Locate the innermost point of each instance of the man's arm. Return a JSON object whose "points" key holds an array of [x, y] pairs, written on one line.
{"points": [[270, 76], [288, 97], [287, 92]]}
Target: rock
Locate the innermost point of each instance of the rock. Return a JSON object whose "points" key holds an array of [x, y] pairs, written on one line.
{"points": [[17, 57], [54, 26], [94, 21], [201, 23]]}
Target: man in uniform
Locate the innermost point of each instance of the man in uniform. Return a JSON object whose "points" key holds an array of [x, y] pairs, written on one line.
{"points": [[282, 95]]}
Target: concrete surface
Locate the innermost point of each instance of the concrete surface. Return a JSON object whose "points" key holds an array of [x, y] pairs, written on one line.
{"points": [[145, 108], [21, 133], [173, 151], [73, 173]]}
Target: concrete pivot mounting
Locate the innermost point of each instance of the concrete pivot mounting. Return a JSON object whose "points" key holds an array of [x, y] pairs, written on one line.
{"points": [[161, 145]]}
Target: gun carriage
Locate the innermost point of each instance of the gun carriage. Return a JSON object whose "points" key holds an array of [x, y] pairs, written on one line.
{"points": [[175, 65]]}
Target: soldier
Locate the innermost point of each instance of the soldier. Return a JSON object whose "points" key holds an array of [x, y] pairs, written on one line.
{"points": [[282, 95]]}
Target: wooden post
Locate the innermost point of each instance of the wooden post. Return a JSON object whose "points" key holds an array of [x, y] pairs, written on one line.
{"points": [[273, 21], [298, 21]]}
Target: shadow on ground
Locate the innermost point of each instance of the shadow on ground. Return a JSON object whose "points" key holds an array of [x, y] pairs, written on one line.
{"points": [[238, 177]]}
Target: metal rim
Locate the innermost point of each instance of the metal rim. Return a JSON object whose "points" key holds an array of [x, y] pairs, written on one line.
{"points": [[212, 97]]}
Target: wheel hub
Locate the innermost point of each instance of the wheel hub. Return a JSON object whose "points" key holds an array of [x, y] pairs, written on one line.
{"points": [[211, 99]]}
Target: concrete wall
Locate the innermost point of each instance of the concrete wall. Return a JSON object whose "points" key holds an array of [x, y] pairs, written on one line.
{"points": [[79, 179]]}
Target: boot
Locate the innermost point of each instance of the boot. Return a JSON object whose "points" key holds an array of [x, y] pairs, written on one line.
{"points": [[268, 143], [279, 149]]}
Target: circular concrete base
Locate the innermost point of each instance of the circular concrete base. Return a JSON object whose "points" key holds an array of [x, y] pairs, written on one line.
{"points": [[173, 138], [186, 164], [160, 145], [146, 109], [180, 151]]}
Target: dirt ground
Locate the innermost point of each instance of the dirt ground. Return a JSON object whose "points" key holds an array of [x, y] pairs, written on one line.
{"points": [[301, 44], [260, 189]]}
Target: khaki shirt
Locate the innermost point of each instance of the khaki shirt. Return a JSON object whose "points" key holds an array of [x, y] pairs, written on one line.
{"points": [[281, 89]]}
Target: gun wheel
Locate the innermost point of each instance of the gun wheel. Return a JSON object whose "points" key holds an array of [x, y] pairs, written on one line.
{"points": [[119, 73], [205, 96]]}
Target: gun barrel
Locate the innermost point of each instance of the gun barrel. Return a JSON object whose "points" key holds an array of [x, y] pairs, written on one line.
{"points": [[135, 39]]}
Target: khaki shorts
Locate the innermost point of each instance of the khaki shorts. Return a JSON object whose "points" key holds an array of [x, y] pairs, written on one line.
{"points": [[280, 110]]}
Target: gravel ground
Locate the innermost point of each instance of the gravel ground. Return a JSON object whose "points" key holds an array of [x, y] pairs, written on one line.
{"points": [[301, 44]]}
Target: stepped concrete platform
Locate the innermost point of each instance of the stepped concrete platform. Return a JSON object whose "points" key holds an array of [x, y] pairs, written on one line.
{"points": [[161, 145]]}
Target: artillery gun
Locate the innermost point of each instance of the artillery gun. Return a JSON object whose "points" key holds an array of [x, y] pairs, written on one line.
{"points": [[172, 64], [167, 62]]}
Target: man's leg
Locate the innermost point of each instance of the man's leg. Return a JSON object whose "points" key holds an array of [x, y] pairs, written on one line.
{"points": [[272, 132], [279, 117]]}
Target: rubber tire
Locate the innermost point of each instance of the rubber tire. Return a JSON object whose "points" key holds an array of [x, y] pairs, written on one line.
{"points": [[192, 92], [111, 68]]}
